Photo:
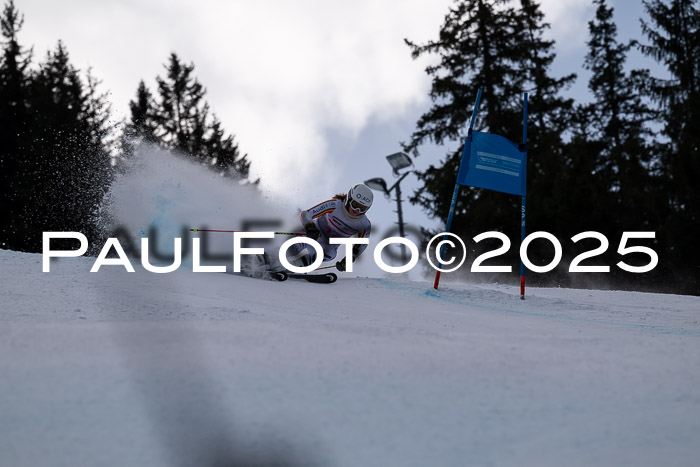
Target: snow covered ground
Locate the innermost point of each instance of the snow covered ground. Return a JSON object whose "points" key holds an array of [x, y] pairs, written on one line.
{"points": [[115, 368]]}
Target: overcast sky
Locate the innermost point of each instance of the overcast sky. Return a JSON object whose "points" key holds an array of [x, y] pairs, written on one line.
{"points": [[316, 92]]}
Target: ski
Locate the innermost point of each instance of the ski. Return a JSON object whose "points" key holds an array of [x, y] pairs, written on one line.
{"points": [[276, 275], [265, 275], [325, 278], [260, 267]]}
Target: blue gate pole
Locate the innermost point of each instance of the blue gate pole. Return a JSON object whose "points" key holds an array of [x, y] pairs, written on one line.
{"points": [[522, 211], [467, 141]]}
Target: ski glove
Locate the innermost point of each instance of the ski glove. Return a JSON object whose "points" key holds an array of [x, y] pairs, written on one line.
{"points": [[312, 231], [340, 265]]}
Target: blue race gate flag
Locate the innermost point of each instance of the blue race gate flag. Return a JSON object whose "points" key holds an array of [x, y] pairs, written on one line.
{"points": [[493, 162]]}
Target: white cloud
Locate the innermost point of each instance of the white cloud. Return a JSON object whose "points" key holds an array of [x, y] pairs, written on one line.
{"points": [[569, 22], [299, 68], [279, 74]]}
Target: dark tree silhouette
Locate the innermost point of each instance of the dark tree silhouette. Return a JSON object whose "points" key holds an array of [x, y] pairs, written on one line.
{"points": [[500, 48], [674, 35], [14, 117], [179, 119], [55, 153]]}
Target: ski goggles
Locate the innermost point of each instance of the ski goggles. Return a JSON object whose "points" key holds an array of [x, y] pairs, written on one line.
{"points": [[358, 206]]}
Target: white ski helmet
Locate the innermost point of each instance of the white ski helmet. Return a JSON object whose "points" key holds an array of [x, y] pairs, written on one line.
{"points": [[359, 198]]}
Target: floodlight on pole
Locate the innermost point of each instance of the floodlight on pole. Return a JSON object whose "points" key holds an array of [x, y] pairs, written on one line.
{"points": [[377, 184], [398, 161]]}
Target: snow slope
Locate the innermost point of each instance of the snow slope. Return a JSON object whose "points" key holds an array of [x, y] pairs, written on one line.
{"points": [[115, 368]]}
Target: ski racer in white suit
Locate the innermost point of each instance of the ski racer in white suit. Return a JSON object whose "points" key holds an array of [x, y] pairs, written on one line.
{"points": [[342, 216]]}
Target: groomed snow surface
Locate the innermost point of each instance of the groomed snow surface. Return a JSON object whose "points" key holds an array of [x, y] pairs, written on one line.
{"points": [[202, 369]]}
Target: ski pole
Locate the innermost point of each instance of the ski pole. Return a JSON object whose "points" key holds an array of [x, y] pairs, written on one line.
{"points": [[233, 231]]}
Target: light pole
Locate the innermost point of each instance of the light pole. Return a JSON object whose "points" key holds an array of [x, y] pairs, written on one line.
{"points": [[398, 161]]}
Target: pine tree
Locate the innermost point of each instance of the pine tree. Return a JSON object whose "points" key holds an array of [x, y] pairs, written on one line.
{"points": [[617, 123], [143, 115], [582, 194], [475, 48], [14, 116], [179, 120], [499, 48], [549, 117], [605, 185], [66, 166], [222, 150], [674, 33], [141, 128]]}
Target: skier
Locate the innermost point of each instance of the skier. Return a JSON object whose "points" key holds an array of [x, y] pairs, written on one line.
{"points": [[342, 216]]}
